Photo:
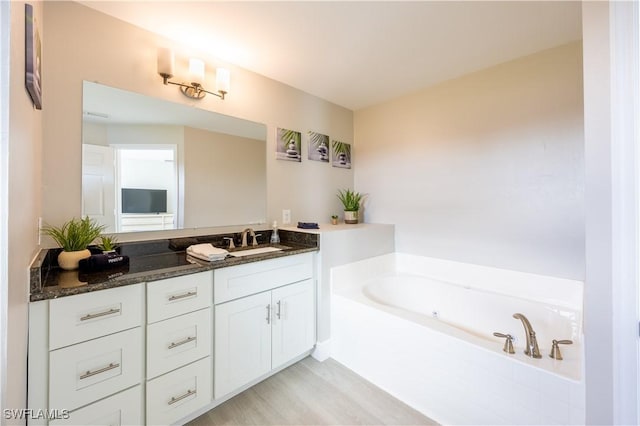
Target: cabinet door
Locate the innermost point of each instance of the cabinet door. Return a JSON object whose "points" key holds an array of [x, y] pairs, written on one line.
{"points": [[293, 321], [242, 342]]}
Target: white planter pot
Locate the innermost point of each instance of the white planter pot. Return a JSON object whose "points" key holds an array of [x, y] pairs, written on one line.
{"points": [[350, 217], [69, 260]]}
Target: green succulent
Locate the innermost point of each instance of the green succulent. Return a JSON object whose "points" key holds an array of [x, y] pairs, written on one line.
{"points": [[350, 200], [107, 242], [76, 234]]}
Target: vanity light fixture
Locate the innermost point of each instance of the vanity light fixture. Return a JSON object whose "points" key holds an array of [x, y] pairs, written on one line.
{"points": [[193, 89]]}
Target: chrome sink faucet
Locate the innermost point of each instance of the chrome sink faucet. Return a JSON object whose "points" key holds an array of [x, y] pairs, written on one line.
{"points": [[244, 237], [532, 349]]}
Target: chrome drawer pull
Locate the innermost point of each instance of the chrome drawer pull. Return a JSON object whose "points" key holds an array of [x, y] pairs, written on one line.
{"points": [[182, 296], [268, 314], [90, 373], [182, 342], [99, 314], [279, 309], [175, 399]]}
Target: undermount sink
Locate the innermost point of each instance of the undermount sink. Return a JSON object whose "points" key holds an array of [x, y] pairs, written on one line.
{"points": [[258, 250]]}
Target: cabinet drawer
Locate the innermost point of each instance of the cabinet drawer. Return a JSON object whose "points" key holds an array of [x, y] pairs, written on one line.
{"points": [[180, 295], [86, 372], [86, 316], [243, 280], [179, 393], [124, 408], [178, 341]]}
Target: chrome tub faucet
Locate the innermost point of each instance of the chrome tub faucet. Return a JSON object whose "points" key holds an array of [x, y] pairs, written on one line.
{"points": [[532, 349]]}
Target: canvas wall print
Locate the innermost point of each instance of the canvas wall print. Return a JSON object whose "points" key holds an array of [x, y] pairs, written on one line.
{"points": [[318, 147], [341, 154], [33, 63], [289, 145]]}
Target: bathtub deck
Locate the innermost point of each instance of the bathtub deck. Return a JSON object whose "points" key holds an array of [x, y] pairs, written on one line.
{"points": [[313, 393]]}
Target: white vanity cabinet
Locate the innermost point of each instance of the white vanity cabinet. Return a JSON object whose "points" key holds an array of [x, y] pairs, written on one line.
{"points": [[269, 320], [146, 353]]}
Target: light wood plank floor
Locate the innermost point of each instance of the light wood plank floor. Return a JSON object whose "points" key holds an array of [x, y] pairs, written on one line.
{"points": [[313, 393]]}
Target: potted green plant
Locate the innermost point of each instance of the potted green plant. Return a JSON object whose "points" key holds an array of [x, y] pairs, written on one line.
{"points": [[74, 237], [107, 244], [334, 219], [351, 201]]}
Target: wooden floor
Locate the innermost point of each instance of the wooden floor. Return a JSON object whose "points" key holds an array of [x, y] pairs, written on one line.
{"points": [[313, 393]]}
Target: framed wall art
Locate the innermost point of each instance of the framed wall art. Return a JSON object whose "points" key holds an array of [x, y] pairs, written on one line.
{"points": [[289, 145], [318, 147], [33, 55], [341, 154]]}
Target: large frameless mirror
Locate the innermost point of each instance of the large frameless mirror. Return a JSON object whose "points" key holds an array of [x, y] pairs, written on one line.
{"points": [[150, 164]]}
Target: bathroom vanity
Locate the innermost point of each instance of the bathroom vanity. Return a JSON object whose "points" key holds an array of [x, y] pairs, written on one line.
{"points": [[166, 340]]}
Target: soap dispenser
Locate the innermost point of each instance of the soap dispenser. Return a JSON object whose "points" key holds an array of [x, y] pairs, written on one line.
{"points": [[275, 238]]}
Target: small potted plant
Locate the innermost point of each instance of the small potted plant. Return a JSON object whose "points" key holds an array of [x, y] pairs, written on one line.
{"points": [[74, 237], [107, 244], [334, 219], [351, 202]]}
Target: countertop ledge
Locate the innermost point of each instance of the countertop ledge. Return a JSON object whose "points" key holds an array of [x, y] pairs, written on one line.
{"points": [[50, 282]]}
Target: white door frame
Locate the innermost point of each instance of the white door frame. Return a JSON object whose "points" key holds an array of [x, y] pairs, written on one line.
{"points": [[624, 21], [5, 24]]}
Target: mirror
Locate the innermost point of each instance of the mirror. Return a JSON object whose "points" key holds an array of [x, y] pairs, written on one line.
{"points": [[150, 164]]}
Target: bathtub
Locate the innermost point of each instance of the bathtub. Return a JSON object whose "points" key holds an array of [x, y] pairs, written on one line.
{"points": [[422, 329]]}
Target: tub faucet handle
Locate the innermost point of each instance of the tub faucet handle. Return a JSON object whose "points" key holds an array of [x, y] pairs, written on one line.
{"points": [[508, 343], [555, 349]]}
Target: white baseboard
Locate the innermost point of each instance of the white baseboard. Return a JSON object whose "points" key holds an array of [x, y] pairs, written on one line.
{"points": [[322, 350]]}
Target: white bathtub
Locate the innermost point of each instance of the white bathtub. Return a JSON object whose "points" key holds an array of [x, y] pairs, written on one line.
{"points": [[422, 329]]}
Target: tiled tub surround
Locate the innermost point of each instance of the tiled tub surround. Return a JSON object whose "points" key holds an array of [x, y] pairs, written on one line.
{"points": [[452, 368], [152, 260]]}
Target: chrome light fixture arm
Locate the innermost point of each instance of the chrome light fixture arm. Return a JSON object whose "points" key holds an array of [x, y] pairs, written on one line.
{"points": [[193, 90]]}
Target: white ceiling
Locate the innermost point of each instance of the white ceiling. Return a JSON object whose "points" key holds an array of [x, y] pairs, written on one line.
{"points": [[360, 53]]}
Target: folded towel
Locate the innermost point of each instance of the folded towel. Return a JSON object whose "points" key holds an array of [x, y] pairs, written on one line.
{"points": [[207, 252], [308, 225]]}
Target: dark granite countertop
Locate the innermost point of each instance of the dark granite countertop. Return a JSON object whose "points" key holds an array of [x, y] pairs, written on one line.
{"points": [[149, 261]]}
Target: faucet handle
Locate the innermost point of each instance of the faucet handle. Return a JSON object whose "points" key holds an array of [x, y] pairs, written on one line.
{"points": [[231, 245], [255, 239], [555, 349], [508, 343]]}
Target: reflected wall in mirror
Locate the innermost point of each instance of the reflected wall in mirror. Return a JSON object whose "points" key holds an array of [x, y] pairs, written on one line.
{"points": [[149, 164]]}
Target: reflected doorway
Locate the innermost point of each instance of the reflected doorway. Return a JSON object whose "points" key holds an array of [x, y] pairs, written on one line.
{"points": [[131, 188]]}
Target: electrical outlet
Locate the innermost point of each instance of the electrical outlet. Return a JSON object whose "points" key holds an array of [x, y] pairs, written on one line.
{"points": [[286, 217]]}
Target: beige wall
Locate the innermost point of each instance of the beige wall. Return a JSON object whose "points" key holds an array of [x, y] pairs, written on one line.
{"points": [[86, 45], [487, 168], [25, 151], [214, 189]]}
